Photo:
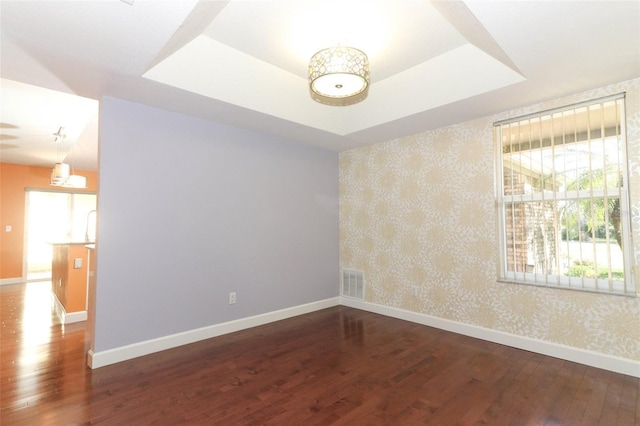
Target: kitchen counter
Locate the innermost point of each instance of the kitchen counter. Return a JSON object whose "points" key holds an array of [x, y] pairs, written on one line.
{"points": [[69, 275], [70, 243]]}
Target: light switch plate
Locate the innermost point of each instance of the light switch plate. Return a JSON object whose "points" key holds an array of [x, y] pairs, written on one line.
{"points": [[77, 263]]}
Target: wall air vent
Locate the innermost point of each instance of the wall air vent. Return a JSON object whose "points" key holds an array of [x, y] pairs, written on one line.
{"points": [[353, 283]]}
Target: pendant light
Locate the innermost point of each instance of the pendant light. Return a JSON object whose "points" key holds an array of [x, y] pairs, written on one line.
{"points": [[62, 173]]}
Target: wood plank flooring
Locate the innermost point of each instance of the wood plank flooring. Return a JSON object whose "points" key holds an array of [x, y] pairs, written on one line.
{"points": [[338, 366]]}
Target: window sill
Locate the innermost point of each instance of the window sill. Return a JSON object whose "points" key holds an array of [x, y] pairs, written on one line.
{"points": [[566, 287]]}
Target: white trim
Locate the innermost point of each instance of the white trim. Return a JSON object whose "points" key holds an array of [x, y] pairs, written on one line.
{"points": [[74, 317], [67, 318], [7, 281], [556, 350], [581, 356], [123, 353]]}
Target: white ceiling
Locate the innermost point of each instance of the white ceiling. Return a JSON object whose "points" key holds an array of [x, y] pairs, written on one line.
{"points": [[29, 117], [244, 63]]}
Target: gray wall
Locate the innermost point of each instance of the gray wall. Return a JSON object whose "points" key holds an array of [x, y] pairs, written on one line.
{"points": [[190, 210]]}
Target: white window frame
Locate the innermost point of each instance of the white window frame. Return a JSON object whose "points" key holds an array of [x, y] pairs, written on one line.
{"points": [[627, 286]]}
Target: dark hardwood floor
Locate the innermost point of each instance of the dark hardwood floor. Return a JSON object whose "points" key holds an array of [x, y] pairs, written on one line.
{"points": [[335, 366]]}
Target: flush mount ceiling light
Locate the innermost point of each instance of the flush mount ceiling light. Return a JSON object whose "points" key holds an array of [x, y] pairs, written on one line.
{"points": [[339, 76]]}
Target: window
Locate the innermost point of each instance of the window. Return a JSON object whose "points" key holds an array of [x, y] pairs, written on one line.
{"points": [[562, 198], [54, 216]]}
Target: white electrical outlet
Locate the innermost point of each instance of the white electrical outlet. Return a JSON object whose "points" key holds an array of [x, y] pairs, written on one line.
{"points": [[232, 298], [414, 291]]}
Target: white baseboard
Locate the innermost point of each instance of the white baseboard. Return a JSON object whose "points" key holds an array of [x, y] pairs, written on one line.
{"points": [[123, 353], [7, 281], [72, 317], [581, 356], [569, 353], [67, 317]]}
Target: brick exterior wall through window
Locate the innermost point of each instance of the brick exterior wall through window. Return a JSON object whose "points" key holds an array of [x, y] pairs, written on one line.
{"points": [[531, 231]]}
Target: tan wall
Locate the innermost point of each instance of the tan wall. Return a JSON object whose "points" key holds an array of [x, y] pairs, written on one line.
{"points": [[420, 211], [14, 179]]}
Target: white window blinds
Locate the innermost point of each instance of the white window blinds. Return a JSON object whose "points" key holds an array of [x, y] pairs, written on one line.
{"points": [[563, 202]]}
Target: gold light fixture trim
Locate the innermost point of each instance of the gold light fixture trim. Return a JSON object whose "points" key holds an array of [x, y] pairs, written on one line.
{"points": [[339, 76]]}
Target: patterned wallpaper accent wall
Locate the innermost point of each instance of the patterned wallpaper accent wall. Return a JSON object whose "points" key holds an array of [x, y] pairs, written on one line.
{"points": [[420, 211]]}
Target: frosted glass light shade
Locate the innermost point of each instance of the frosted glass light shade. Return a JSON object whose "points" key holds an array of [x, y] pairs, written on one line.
{"points": [[339, 76], [76, 181], [60, 174]]}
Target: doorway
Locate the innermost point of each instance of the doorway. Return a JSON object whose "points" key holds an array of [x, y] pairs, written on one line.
{"points": [[55, 216]]}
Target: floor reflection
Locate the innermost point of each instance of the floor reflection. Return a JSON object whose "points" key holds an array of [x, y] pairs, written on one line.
{"points": [[353, 329], [33, 333], [37, 314], [43, 361]]}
